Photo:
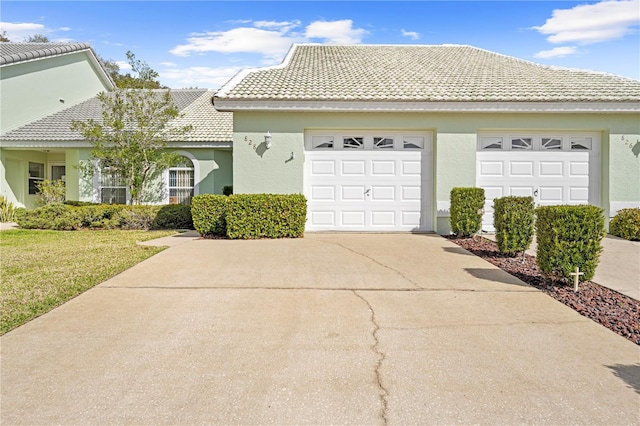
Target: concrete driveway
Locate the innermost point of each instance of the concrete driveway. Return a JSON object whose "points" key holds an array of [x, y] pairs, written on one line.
{"points": [[329, 329]]}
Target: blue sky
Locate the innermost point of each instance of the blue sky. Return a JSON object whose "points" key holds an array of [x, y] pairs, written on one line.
{"points": [[204, 43]]}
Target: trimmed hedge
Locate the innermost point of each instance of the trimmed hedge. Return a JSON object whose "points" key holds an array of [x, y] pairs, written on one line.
{"points": [[465, 204], [60, 216], [209, 214], [569, 237], [626, 224], [266, 216], [513, 218]]}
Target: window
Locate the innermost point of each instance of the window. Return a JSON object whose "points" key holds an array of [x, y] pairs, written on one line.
{"points": [[382, 143], [551, 143], [181, 182], [412, 142], [491, 143], [36, 175], [581, 144], [322, 142], [353, 143], [113, 188], [519, 144]]}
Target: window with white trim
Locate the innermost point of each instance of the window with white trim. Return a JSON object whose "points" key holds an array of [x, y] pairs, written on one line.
{"points": [[322, 142], [112, 186], [490, 143], [412, 142], [181, 182], [382, 142], [36, 175], [353, 142], [520, 144], [551, 144], [582, 144]]}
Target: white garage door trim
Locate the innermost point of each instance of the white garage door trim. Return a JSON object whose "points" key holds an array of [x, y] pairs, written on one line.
{"points": [[357, 180], [554, 168]]}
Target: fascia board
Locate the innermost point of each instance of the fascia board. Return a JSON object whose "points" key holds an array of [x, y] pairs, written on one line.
{"points": [[470, 107]]}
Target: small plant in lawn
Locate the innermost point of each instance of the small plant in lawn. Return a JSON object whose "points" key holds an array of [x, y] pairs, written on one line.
{"points": [[7, 210]]}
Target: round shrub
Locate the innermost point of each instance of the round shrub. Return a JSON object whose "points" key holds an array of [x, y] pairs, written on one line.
{"points": [[626, 224], [173, 216]]}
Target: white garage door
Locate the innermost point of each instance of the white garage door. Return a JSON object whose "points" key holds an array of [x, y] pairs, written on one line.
{"points": [[368, 181], [554, 169]]}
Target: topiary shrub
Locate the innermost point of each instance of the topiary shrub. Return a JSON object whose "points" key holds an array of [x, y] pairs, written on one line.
{"points": [[266, 216], [209, 214], [626, 224], [569, 237], [465, 206], [52, 216], [513, 218], [173, 216]]}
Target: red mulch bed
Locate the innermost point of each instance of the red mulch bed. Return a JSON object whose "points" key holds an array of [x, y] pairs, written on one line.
{"points": [[618, 312]]}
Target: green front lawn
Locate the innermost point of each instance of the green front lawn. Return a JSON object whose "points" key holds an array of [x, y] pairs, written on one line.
{"points": [[40, 270]]}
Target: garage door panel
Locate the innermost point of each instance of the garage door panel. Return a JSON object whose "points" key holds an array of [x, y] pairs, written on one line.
{"points": [[491, 168], [551, 195], [323, 193], [579, 194], [383, 193], [551, 169], [352, 218], [353, 168], [411, 168], [383, 168], [320, 218], [353, 193], [323, 168], [410, 218], [411, 193], [521, 168], [521, 191], [383, 218], [578, 168]]}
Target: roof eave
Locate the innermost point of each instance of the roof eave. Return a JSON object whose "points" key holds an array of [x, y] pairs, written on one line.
{"points": [[235, 105]]}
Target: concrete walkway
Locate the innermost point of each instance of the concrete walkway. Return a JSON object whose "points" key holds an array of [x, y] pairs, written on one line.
{"points": [[329, 329]]}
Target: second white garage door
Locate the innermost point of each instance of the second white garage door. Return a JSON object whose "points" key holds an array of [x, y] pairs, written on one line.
{"points": [[552, 168], [368, 181]]}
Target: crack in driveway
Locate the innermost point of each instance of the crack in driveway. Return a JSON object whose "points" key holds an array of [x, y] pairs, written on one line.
{"points": [[384, 393], [373, 260]]}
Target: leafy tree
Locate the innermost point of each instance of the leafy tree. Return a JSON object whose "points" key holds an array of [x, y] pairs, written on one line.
{"points": [[3, 37], [131, 139], [146, 79], [37, 38]]}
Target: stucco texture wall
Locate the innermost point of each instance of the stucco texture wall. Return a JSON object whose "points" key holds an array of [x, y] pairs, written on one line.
{"points": [[33, 89], [257, 169]]}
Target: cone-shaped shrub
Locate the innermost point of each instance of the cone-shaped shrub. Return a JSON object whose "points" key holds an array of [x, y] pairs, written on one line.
{"points": [[466, 203], [513, 219], [569, 237]]}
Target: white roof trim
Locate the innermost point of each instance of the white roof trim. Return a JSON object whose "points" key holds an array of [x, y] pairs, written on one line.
{"points": [[381, 106], [84, 144]]}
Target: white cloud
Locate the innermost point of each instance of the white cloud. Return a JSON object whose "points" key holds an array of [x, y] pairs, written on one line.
{"points": [[411, 34], [592, 23], [557, 52], [199, 76], [18, 31], [169, 64], [238, 40], [64, 29], [279, 26], [124, 66], [339, 32]]}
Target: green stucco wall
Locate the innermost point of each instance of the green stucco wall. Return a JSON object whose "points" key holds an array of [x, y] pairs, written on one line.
{"points": [[33, 89], [455, 135]]}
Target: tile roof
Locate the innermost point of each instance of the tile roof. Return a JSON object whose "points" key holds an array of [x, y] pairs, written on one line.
{"points": [[208, 124], [11, 53], [411, 73]]}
